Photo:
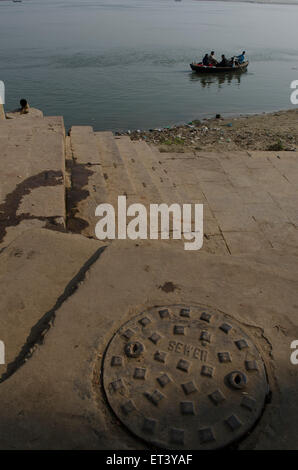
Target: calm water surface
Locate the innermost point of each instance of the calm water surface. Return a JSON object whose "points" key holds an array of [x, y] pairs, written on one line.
{"points": [[124, 64]]}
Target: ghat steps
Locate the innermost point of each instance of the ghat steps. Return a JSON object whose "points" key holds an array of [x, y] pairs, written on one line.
{"points": [[32, 165], [116, 166], [64, 295], [249, 197]]}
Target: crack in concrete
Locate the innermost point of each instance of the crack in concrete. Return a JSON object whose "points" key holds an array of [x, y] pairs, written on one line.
{"points": [[219, 228], [40, 329]]}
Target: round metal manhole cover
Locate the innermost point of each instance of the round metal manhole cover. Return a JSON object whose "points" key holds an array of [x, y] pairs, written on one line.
{"points": [[184, 377]]}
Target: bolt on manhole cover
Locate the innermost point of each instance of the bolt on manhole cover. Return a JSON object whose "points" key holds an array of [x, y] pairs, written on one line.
{"points": [[185, 377]]}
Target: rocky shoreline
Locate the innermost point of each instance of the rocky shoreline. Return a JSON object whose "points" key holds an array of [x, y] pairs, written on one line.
{"points": [[276, 131]]}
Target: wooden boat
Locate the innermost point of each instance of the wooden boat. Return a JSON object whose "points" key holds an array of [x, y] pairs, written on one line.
{"points": [[200, 68]]}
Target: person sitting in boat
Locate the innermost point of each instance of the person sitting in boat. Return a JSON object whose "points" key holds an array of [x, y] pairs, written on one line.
{"points": [[241, 58], [224, 62], [206, 59], [231, 62], [212, 59]]}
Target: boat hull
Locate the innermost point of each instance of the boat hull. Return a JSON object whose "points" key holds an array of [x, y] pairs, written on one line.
{"points": [[207, 69]]}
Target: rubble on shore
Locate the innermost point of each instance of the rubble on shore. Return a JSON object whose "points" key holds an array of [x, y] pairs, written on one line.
{"points": [[276, 131]]}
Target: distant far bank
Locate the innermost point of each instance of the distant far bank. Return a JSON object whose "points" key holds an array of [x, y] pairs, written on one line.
{"points": [[269, 2]]}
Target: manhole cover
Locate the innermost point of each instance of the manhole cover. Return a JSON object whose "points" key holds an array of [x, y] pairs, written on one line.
{"points": [[184, 377]]}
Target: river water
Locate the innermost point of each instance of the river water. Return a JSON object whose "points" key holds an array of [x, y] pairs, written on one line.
{"points": [[124, 64]]}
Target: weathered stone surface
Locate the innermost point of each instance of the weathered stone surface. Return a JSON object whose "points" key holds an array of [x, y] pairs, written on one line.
{"points": [[243, 193], [32, 167], [169, 194], [33, 113], [141, 180], [115, 172], [247, 269], [84, 145], [2, 113], [87, 185], [55, 400], [252, 196], [37, 271]]}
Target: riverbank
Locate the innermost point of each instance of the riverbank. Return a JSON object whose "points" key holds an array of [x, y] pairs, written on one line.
{"points": [[264, 2], [276, 131]]}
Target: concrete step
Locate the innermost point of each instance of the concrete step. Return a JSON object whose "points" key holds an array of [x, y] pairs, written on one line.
{"points": [[145, 188], [181, 169], [56, 395], [109, 153], [87, 184], [115, 172], [84, 145], [158, 173], [37, 271], [164, 190], [25, 122], [32, 166], [185, 172]]}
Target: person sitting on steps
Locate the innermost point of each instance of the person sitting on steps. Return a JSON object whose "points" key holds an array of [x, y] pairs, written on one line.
{"points": [[24, 106], [23, 111]]}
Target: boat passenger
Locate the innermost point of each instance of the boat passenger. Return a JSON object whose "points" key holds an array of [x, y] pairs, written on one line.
{"points": [[206, 59], [241, 58], [212, 59], [224, 62]]}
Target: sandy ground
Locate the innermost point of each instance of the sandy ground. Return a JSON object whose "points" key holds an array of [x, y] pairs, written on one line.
{"points": [[275, 131]]}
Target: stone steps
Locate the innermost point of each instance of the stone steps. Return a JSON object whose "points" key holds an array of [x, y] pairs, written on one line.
{"points": [[152, 162], [83, 145], [26, 122], [87, 184], [115, 172], [185, 174], [63, 296], [169, 193], [105, 167], [32, 166], [145, 189], [232, 187]]}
